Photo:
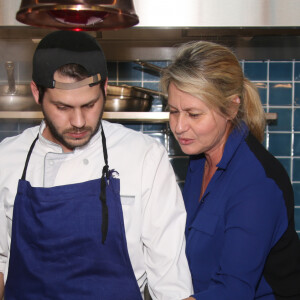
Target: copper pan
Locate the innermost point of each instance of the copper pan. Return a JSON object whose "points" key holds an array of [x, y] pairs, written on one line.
{"points": [[89, 15]]}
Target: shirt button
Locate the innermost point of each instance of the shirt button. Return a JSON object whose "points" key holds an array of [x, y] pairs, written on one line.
{"points": [[51, 163], [85, 161]]}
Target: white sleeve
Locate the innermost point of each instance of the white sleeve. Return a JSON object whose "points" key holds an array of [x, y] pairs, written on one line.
{"points": [[163, 229], [3, 234]]}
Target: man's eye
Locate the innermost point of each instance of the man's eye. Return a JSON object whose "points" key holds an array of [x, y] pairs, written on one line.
{"points": [[61, 107], [90, 105]]}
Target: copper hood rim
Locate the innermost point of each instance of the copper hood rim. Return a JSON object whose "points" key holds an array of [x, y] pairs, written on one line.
{"points": [[38, 15]]}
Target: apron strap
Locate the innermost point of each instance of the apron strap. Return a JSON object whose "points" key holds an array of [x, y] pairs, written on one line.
{"points": [[28, 157], [104, 179]]}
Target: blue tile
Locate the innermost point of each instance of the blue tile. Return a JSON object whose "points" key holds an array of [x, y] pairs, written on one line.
{"points": [[297, 219], [24, 124], [286, 162], [284, 119], [296, 188], [127, 72], [112, 71], [297, 144], [157, 127], [297, 71], [262, 88], [131, 83], [180, 166], [256, 70], [296, 169], [9, 125], [280, 144], [134, 126], [5, 134], [151, 75], [160, 137], [281, 71], [152, 86], [280, 94], [297, 94], [297, 119]]}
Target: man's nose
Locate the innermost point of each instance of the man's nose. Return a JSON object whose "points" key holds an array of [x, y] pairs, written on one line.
{"points": [[78, 118]]}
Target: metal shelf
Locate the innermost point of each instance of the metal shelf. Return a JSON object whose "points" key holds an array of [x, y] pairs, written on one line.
{"points": [[153, 117]]}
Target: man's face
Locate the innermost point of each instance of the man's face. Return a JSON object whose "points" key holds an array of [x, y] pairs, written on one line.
{"points": [[72, 117]]}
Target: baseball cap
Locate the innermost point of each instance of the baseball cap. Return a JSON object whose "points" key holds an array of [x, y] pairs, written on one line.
{"points": [[68, 47]]}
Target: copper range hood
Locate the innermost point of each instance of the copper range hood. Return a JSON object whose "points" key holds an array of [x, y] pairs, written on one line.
{"points": [[88, 15]]}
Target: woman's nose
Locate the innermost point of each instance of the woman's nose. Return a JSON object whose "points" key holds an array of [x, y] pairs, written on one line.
{"points": [[77, 119], [181, 124]]}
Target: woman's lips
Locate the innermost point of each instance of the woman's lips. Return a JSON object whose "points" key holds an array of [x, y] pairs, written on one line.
{"points": [[183, 141]]}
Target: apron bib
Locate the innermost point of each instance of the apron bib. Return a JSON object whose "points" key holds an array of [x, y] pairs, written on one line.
{"points": [[68, 243]]}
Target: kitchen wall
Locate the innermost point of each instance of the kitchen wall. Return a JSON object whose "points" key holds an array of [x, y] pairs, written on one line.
{"points": [[278, 82]]}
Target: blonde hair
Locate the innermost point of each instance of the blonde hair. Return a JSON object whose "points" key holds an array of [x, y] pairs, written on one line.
{"points": [[212, 73]]}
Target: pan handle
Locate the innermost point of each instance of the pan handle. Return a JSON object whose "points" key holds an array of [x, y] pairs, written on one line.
{"points": [[153, 92], [148, 65]]}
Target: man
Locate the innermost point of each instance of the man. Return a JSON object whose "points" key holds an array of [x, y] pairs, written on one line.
{"points": [[97, 213]]}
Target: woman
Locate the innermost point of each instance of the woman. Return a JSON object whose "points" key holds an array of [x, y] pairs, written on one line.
{"points": [[241, 240]]}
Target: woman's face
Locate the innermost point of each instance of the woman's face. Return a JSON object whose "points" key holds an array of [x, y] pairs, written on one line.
{"points": [[196, 127]]}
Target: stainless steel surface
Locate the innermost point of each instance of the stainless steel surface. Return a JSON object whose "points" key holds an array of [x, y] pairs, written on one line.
{"points": [[191, 13], [119, 98], [152, 117], [20, 100], [117, 104], [129, 98], [218, 13], [128, 91], [10, 70], [78, 14]]}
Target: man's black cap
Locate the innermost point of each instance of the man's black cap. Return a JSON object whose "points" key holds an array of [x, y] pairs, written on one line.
{"points": [[66, 47]]}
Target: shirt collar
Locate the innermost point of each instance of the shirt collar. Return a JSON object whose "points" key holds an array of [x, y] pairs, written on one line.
{"points": [[237, 135], [235, 138]]}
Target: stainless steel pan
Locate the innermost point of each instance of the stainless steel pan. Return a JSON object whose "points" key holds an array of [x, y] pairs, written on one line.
{"points": [[119, 98], [129, 98]]}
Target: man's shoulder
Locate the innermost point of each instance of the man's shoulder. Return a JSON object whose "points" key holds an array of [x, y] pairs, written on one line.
{"points": [[19, 142]]}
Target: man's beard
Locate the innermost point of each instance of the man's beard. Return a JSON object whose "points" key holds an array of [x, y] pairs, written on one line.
{"points": [[60, 136]]}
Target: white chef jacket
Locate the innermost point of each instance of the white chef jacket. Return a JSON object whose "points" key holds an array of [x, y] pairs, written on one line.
{"points": [[153, 208]]}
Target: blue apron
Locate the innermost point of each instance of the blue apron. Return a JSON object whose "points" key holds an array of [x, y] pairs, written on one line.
{"points": [[68, 242]]}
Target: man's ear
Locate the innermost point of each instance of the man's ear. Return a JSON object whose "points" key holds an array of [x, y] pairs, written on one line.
{"points": [[35, 92], [105, 86]]}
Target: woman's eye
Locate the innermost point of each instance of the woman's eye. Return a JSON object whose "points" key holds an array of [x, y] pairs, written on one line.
{"points": [[194, 115], [172, 112]]}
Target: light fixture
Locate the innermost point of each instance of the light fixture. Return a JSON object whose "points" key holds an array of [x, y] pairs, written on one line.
{"points": [[78, 15]]}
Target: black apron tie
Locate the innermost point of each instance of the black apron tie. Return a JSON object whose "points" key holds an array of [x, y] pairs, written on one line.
{"points": [[104, 179], [28, 158]]}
